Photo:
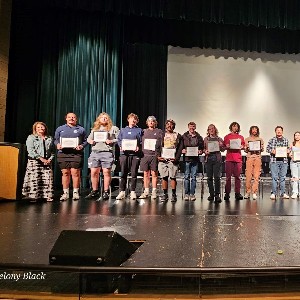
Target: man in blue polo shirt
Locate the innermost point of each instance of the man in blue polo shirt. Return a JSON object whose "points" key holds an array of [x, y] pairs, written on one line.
{"points": [[70, 159]]}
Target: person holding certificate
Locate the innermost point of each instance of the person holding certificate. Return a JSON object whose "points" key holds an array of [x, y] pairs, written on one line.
{"points": [[151, 144], [70, 139], [103, 137], [38, 180], [295, 164], [129, 141], [254, 147], [193, 147], [213, 145], [169, 158], [234, 143], [278, 149]]}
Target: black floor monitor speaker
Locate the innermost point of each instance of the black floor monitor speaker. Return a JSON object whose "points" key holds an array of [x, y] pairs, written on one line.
{"points": [[90, 248]]}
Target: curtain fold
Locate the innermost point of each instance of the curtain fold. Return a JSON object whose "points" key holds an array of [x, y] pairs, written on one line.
{"points": [[282, 14]]}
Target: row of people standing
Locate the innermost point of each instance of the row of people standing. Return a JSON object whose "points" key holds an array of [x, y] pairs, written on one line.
{"points": [[147, 148]]}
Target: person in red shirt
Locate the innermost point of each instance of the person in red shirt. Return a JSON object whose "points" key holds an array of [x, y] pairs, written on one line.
{"points": [[234, 143]]}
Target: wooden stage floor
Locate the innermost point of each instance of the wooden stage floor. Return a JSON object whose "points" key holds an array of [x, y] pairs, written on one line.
{"points": [[239, 234]]}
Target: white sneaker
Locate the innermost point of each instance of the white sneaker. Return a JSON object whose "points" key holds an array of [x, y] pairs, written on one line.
{"points": [[285, 196], [144, 195], [186, 197], [64, 197], [254, 196], [121, 195], [154, 195], [247, 196], [133, 195], [75, 196], [272, 197], [294, 196]]}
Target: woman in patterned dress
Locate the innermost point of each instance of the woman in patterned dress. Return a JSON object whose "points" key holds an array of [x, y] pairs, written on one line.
{"points": [[38, 181]]}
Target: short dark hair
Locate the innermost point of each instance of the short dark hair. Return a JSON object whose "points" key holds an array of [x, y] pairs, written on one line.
{"points": [[278, 126], [171, 121], [235, 123], [254, 126], [192, 123]]}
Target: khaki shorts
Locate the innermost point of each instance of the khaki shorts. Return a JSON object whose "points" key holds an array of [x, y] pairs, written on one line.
{"points": [[167, 169]]}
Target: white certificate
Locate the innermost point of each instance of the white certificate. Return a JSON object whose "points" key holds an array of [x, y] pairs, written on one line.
{"points": [[296, 155], [235, 144], [213, 146], [129, 145], [100, 136], [281, 152], [254, 145], [168, 153], [191, 151], [149, 144], [69, 142]]}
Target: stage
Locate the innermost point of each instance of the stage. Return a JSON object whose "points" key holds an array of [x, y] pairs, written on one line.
{"points": [[196, 239]]}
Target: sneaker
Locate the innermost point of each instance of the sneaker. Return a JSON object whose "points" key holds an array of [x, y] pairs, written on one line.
{"points": [[247, 196], [254, 196], [75, 196], [121, 195], [133, 195], [164, 198], [218, 198], [105, 196], [186, 197], [93, 194], [294, 196], [193, 198], [238, 196], [226, 197], [210, 198], [272, 197], [154, 195], [285, 196], [64, 197], [144, 195], [173, 198]]}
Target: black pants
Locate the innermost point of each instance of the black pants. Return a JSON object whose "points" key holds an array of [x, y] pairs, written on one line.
{"points": [[213, 170], [128, 164]]}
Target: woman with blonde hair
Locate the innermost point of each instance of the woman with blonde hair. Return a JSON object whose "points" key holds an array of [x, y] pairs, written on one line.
{"points": [[103, 138], [38, 180]]}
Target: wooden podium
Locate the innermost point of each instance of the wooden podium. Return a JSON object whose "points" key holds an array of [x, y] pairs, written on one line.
{"points": [[12, 170]]}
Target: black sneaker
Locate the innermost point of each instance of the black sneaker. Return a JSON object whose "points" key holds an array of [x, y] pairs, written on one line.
{"points": [[218, 198], [105, 196], [93, 195], [238, 196], [226, 197], [210, 198], [173, 198], [164, 198]]}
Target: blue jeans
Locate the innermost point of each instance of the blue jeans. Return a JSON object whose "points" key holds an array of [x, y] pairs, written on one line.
{"points": [[191, 169], [278, 172], [295, 170]]}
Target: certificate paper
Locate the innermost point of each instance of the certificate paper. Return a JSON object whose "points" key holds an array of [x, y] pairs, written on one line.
{"points": [[191, 151], [235, 144], [100, 136], [254, 145], [149, 144], [129, 145], [296, 155], [69, 142], [168, 153], [213, 146], [281, 152]]}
